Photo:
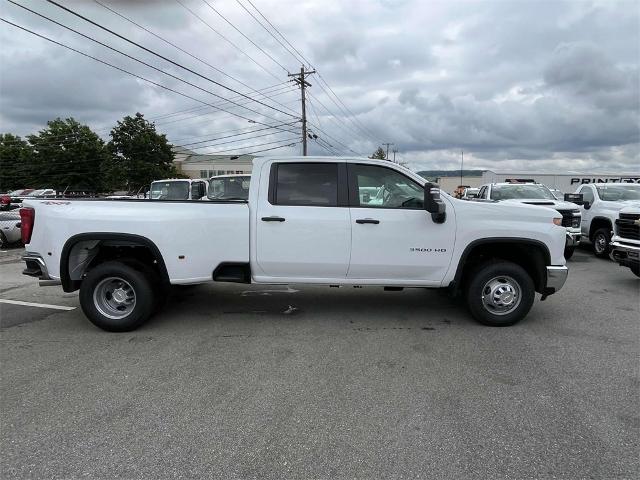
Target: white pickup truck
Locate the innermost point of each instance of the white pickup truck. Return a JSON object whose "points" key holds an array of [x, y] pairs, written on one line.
{"points": [[625, 243], [601, 203], [539, 195], [310, 220]]}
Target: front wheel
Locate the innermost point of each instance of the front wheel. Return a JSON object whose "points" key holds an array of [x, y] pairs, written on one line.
{"points": [[636, 270], [568, 252], [500, 293], [601, 239], [117, 298]]}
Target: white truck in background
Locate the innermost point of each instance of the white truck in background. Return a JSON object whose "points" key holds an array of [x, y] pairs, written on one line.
{"points": [[229, 187], [178, 189], [308, 220], [625, 243], [601, 203], [539, 195]]}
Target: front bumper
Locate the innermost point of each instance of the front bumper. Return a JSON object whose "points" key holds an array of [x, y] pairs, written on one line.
{"points": [[556, 276], [573, 238], [625, 253]]}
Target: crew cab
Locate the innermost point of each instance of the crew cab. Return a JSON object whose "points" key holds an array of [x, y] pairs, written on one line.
{"points": [[601, 203], [625, 243], [178, 189], [540, 195], [309, 220]]}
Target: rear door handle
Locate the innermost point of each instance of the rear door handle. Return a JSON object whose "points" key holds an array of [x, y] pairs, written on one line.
{"points": [[272, 219], [368, 220]]}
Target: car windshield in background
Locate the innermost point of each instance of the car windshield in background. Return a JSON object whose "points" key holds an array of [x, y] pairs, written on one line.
{"points": [[229, 188], [617, 193], [509, 192], [170, 191]]}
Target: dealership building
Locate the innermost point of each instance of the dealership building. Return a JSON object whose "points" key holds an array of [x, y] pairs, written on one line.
{"points": [[196, 165]]}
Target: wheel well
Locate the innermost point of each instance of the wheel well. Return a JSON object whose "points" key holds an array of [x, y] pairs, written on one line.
{"points": [[531, 255], [598, 223], [83, 252]]}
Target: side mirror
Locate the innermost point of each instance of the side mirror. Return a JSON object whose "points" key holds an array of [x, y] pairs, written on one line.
{"points": [[576, 198], [433, 204], [586, 205]]}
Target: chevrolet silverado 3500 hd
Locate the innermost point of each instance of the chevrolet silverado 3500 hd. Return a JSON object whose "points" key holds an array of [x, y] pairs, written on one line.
{"points": [[311, 220]]}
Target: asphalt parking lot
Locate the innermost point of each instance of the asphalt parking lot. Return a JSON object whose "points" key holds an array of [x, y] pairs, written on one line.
{"points": [[272, 382]]}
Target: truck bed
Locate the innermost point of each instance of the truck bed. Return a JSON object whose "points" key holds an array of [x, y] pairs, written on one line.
{"points": [[193, 237]]}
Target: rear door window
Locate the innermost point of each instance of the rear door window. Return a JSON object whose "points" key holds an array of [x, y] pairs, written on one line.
{"points": [[306, 184]]}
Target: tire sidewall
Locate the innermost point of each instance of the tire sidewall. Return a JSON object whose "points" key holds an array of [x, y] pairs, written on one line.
{"points": [[568, 252], [485, 273], [607, 236], [141, 285]]}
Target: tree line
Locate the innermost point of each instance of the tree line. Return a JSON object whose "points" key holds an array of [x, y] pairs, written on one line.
{"points": [[67, 154]]}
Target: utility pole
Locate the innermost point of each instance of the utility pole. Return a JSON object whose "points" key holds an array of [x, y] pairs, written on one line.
{"points": [[395, 150], [461, 165], [387, 144], [299, 79]]}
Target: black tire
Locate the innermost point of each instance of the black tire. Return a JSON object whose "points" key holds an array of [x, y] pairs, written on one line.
{"points": [[495, 272], [3, 241], [601, 241], [160, 288], [137, 281], [568, 252], [636, 270]]}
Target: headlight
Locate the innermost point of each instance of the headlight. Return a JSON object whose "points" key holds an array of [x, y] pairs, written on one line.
{"points": [[557, 221]]}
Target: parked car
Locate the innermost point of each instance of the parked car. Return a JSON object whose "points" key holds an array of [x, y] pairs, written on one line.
{"points": [[42, 193], [306, 222], [13, 199], [540, 195], [229, 187], [470, 193], [9, 228], [625, 243], [178, 189], [600, 207]]}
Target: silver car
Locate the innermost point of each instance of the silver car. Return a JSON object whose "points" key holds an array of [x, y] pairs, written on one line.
{"points": [[9, 228]]}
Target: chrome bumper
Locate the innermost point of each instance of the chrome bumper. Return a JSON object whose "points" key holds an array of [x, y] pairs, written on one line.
{"points": [[626, 254], [573, 239], [556, 276]]}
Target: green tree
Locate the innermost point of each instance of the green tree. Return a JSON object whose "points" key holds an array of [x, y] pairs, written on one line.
{"points": [[66, 154], [379, 154], [138, 154], [15, 159]]}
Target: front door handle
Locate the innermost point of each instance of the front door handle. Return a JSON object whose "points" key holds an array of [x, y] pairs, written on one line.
{"points": [[272, 219], [368, 220]]}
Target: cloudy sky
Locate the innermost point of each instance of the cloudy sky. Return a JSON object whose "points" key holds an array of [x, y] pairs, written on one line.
{"points": [[523, 85]]}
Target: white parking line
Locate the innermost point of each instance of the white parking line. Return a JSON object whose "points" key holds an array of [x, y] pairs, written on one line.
{"points": [[39, 305]]}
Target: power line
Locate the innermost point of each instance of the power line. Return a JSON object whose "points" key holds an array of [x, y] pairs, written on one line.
{"points": [[269, 32], [245, 36], [158, 55], [177, 47], [128, 72], [279, 33], [225, 38]]}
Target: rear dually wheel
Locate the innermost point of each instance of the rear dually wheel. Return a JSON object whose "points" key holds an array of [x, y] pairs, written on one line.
{"points": [[116, 297]]}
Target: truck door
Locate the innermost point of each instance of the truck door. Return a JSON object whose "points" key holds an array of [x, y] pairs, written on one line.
{"points": [[393, 237], [587, 216], [302, 225]]}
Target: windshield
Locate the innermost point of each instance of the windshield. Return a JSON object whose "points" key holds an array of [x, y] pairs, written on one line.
{"points": [[516, 191], [229, 188], [617, 193], [170, 190]]}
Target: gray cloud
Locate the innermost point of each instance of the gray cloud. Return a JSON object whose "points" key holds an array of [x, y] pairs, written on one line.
{"points": [[551, 85]]}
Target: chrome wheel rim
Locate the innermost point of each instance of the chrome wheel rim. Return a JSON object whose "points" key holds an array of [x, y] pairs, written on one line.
{"points": [[114, 298], [501, 295], [600, 243]]}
